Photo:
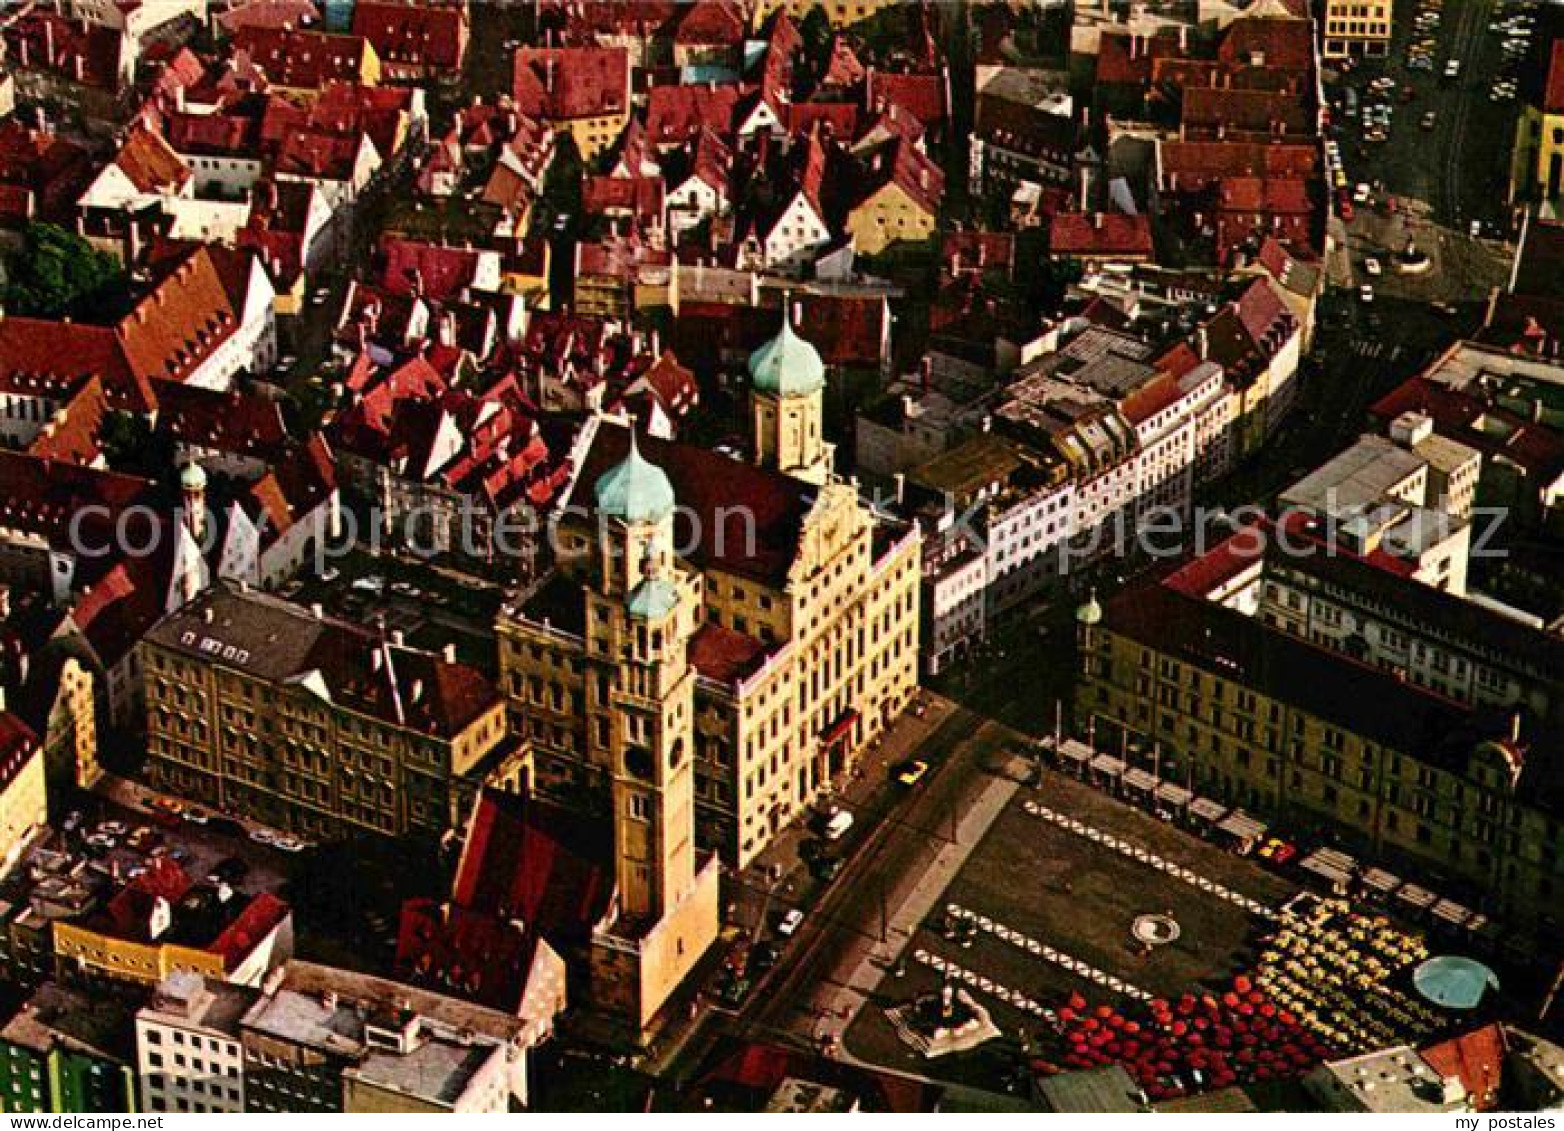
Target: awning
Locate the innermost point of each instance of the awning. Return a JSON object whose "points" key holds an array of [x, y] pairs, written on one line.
{"points": [[1075, 750], [1381, 880], [1414, 896], [1326, 865], [1451, 912], [1108, 764], [1137, 778], [1206, 809], [1241, 825], [1173, 794], [839, 729]]}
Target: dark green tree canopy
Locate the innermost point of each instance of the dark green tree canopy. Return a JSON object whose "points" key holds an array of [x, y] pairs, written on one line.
{"points": [[58, 273]]}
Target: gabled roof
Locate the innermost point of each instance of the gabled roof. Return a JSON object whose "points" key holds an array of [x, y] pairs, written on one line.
{"points": [[904, 165], [238, 422], [676, 114], [1100, 233], [566, 83], [268, 14], [923, 96], [432, 270], [150, 163], [1553, 89], [301, 58], [431, 35], [526, 859], [712, 23]]}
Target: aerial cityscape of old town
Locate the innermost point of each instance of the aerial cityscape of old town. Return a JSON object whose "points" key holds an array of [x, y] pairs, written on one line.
{"points": [[793, 556]]}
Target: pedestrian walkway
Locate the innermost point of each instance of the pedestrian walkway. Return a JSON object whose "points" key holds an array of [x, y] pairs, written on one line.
{"points": [[861, 971], [1146, 856], [955, 972], [1047, 953]]}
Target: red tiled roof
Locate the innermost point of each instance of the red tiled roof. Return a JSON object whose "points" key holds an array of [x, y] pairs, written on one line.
{"points": [[238, 422], [431, 36], [91, 54], [907, 167], [1553, 91], [481, 957], [642, 197], [974, 250], [676, 114], [845, 69], [1269, 195], [299, 58], [1209, 160], [1254, 111], [42, 172], [561, 84], [1273, 43], [150, 163], [724, 655], [526, 859], [1476, 1059], [18, 746], [432, 270], [712, 22], [73, 434], [262, 915], [923, 96], [269, 14], [1100, 233]]}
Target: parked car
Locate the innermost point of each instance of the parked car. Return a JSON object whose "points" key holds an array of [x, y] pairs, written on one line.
{"points": [[911, 773], [1276, 852], [837, 824], [1366, 294], [1371, 265], [790, 922]]}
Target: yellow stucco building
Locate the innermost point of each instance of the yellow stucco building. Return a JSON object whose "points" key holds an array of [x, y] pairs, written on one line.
{"points": [[1537, 170], [718, 641], [24, 802], [1251, 716], [1357, 28]]}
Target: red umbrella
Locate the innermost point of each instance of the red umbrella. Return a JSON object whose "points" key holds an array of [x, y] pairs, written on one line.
{"points": [[1241, 984]]}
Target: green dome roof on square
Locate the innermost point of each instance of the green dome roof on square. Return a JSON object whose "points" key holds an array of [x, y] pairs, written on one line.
{"points": [[635, 489], [787, 365]]}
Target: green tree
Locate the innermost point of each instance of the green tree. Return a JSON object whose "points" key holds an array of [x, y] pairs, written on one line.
{"points": [[58, 273]]}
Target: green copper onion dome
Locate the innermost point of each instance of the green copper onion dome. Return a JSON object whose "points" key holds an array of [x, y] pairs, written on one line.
{"points": [[1091, 612], [787, 366], [635, 490], [653, 599]]}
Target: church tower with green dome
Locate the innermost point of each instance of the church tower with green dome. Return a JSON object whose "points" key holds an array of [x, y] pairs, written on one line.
{"points": [[787, 380], [643, 607]]}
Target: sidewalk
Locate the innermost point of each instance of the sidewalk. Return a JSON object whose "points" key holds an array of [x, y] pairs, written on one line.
{"points": [[845, 990], [777, 876]]}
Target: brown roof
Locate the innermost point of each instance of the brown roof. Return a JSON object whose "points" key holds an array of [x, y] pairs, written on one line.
{"points": [[150, 163], [561, 84], [726, 656], [429, 35], [1553, 91], [300, 58], [1101, 233]]}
